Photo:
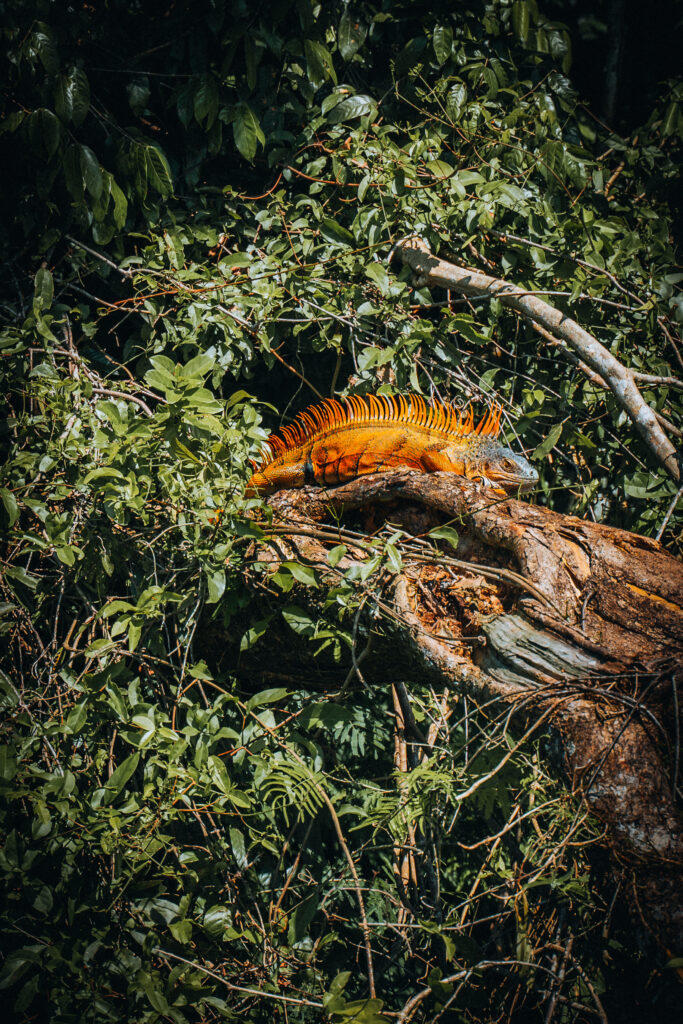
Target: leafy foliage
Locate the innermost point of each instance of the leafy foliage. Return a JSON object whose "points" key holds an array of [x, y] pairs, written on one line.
{"points": [[195, 245]]}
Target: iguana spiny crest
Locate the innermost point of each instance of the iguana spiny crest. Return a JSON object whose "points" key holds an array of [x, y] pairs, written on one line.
{"points": [[334, 442]]}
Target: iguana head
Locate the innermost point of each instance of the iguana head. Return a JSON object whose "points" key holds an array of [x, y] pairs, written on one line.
{"points": [[508, 471], [486, 461]]}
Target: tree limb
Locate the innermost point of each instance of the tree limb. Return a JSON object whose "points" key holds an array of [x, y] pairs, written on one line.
{"points": [[430, 270]]}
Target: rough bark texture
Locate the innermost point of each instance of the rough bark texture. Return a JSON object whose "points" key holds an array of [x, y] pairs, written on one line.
{"points": [[577, 622]]}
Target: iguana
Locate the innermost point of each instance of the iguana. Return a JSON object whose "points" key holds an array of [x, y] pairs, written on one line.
{"points": [[333, 443]]}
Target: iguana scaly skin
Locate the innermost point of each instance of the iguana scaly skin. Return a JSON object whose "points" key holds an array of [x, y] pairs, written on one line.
{"points": [[333, 443]]}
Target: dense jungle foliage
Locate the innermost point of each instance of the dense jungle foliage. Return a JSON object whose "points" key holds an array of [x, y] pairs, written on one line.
{"points": [[201, 805]]}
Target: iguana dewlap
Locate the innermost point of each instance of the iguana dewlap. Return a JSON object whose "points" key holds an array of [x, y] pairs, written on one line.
{"points": [[333, 443]]}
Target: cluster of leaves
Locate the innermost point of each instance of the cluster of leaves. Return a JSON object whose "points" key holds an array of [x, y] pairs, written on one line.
{"points": [[195, 241]]}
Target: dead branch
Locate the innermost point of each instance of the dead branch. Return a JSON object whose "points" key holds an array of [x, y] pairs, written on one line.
{"points": [[430, 270]]}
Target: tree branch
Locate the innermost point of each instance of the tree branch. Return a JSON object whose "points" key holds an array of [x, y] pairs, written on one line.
{"points": [[430, 270]]}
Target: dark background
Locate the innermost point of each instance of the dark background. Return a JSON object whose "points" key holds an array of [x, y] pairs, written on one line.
{"points": [[623, 50]]}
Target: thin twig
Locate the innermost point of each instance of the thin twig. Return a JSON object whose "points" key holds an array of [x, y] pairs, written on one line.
{"points": [[237, 988], [254, 333], [99, 256], [674, 501], [125, 396], [411, 1006], [652, 378]]}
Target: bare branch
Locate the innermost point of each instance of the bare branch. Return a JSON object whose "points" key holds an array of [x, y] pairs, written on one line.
{"points": [[99, 256], [125, 396], [433, 271], [237, 988], [652, 378]]}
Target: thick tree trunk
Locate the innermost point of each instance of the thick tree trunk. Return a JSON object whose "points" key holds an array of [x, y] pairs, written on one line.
{"points": [[578, 623]]}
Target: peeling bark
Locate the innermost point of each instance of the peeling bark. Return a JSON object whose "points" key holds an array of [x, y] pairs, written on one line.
{"points": [[582, 627]]}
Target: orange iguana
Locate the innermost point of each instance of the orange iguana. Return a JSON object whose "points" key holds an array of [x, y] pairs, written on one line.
{"points": [[333, 443]]}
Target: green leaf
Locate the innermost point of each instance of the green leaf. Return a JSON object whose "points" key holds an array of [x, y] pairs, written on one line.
{"points": [[8, 763], [351, 35], [549, 442], [181, 931], [156, 997], [445, 533], [335, 555], [442, 41], [99, 647], [103, 472], [254, 634], [76, 718], [158, 171], [324, 715], [134, 634], [72, 98], [140, 168], [339, 983], [409, 59], [44, 45], [206, 101], [393, 558], [267, 697], [119, 777], [16, 965], [440, 169], [215, 582], [216, 920], [376, 273], [363, 187], [336, 233], [66, 553], [301, 919], [670, 119], [91, 172], [247, 132], [456, 100], [239, 848], [198, 367], [251, 60], [17, 572], [43, 901], [350, 107], [43, 290], [320, 63], [364, 1011], [302, 573], [73, 174], [491, 81], [469, 328], [120, 205], [45, 131], [200, 671], [138, 94], [299, 620], [11, 122], [521, 19]]}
